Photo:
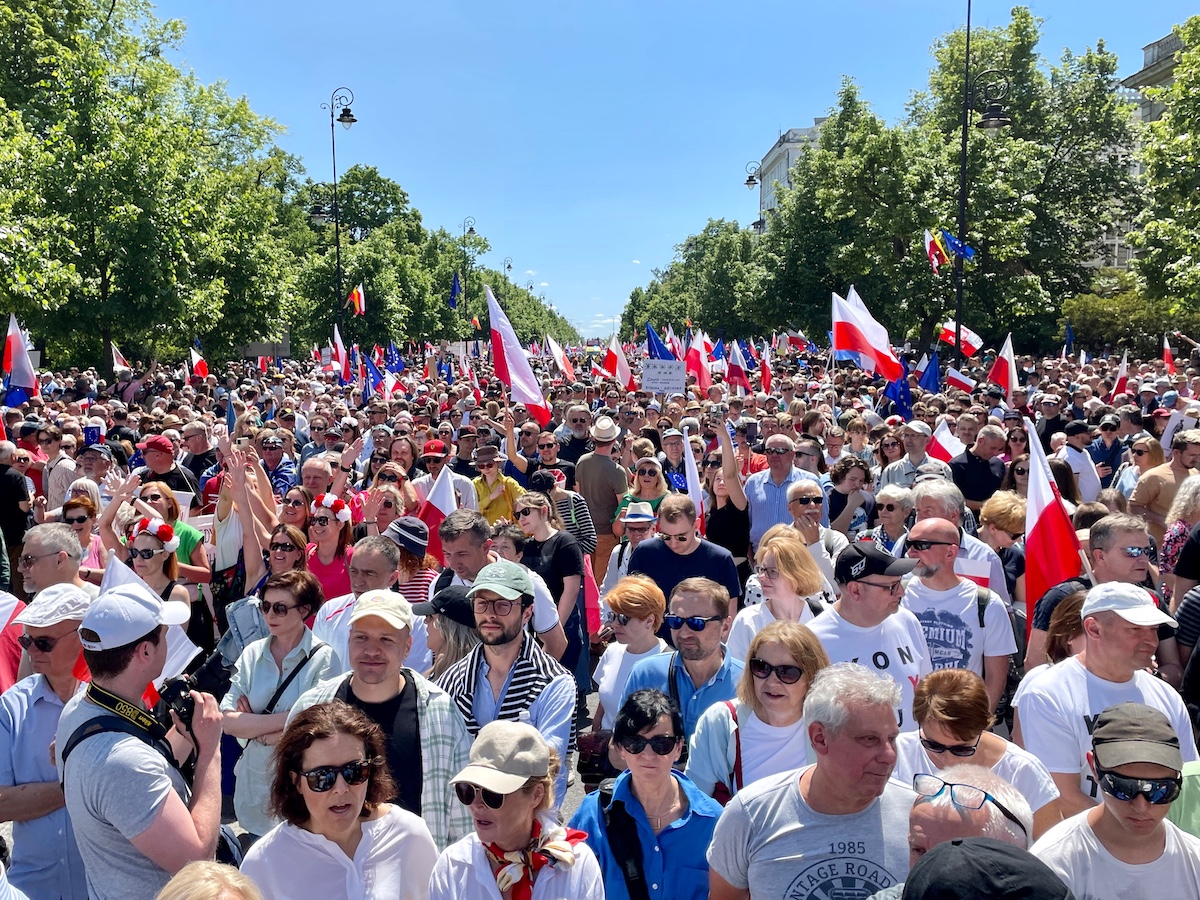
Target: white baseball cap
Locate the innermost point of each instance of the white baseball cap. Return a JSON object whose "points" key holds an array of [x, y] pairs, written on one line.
{"points": [[1129, 601], [125, 614], [54, 604]]}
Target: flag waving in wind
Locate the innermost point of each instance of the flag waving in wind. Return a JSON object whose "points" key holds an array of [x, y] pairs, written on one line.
{"points": [[119, 361], [358, 300], [455, 291], [1051, 546], [199, 366], [512, 367], [971, 342], [1167, 357], [560, 358], [937, 254], [1004, 370], [856, 331], [16, 358]]}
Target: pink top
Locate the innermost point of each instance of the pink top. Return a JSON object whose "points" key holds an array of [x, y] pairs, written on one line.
{"points": [[335, 577]]}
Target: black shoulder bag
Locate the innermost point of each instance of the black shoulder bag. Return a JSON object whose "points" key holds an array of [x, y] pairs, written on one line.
{"points": [[623, 841], [673, 693]]}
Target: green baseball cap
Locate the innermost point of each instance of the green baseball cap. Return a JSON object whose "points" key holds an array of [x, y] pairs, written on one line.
{"points": [[505, 578]]}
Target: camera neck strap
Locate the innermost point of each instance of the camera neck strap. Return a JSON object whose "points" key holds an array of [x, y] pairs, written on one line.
{"points": [[123, 709]]}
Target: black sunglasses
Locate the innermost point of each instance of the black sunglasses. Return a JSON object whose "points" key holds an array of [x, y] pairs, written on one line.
{"points": [[549, 446], [525, 511], [144, 553], [661, 744], [295, 504], [925, 545], [778, 451], [283, 547], [75, 520], [646, 473], [468, 792], [43, 644], [695, 623], [960, 750], [323, 778], [805, 501], [1156, 791], [712, 464], [620, 618], [388, 476], [280, 609], [762, 669]]}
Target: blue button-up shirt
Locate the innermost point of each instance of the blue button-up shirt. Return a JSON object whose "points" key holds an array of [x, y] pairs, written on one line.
{"points": [[674, 861], [45, 858], [768, 501], [652, 673]]}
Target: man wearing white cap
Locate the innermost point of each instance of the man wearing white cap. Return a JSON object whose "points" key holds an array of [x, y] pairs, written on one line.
{"points": [[46, 860], [427, 739], [915, 436], [1060, 708], [136, 820]]}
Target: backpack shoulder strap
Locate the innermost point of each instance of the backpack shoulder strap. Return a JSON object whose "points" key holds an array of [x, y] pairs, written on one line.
{"points": [[815, 607], [623, 841], [672, 687], [737, 753], [103, 724], [983, 597]]}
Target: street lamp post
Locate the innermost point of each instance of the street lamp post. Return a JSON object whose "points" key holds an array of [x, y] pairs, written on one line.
{"points": [[505, 268], [993, 87], [468, 230], [340, 99]]}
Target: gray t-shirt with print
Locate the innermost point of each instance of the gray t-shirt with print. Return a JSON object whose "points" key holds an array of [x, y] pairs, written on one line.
{"points": [[115, 785], [770, 841]]}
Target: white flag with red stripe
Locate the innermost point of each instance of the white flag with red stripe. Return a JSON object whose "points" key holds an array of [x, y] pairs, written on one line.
{"points": [[944, 445], [199, 366], [119, 361], [856, 331], [921, 364], [1122, 377], [736, 376], [511, 365], [764, 368], [1004, 370], [1051, 546], [560, 358], [1168, 359], [955, 378], [971, 342], [694, 489], [439, 504], [615, 362], [16, 358]]}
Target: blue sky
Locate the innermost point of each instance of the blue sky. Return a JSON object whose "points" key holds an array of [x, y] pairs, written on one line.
{"points": [[588, 139]]}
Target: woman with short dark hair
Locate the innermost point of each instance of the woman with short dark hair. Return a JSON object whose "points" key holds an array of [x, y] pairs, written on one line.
{"points": [[338, 837], [672, 818]]}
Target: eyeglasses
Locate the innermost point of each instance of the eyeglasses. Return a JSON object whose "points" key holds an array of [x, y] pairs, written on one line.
{"points": [[501, 607], [1020, 470], [1018, 439], [280, 609], [389, 477], [75, 520], [646, 473], [1156, 791], [890, 507], [323, 778], [637, 529], [620, 618], [384, 458], [467, 793], [712, 464], [43, 644], [144, 553], [893, 589], [1136, 552], [964, 795], [695, 623], [1017, 536], [549, 446], [579, 421], [805, 501], [770, 571], [762, 670], [960, 750], [1108, 427], [388, 504], [316, 427], [283, 547], [323, 521], [677, 538], [153, 498], [526, 511], [661, 744], [1138, 451], [483, 467], [45, 441], [294, 504], [925, 545]]}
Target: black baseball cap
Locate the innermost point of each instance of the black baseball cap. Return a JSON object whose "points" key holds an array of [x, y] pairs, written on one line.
{"points": [[862, 559], [451, 602], [983, 867]]}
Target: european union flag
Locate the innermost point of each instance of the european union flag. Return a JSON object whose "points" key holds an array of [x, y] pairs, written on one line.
{"points": [[455, 290], [957, 247], [230, 414], [392, 360], [718, 350], [374, 376], [654, 344], [899, 393], [931, 378], [1070, 335]]}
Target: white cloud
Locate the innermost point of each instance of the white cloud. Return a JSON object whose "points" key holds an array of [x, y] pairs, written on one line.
{"points": [[637, 262], [530, 272], [544, 284]]}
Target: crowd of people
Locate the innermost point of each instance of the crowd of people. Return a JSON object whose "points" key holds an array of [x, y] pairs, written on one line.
{"points": [[229, 601]]}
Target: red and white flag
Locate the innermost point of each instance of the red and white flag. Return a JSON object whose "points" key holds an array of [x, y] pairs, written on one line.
{"points": [[1004, 370], [119, 361], [921, 364], [955, 378], [439, 504], [1122, 378], [695, 362], [737, 375], [694, 489], [933, 249], [971, 342], [341, 358], [855, 330], [511, 364], [1168, 359], [615, 362], [560, 358], [599, 372], [199, 366], [764, 369], [944, 445], [465, 371], [1051, 546], [16, 358]]}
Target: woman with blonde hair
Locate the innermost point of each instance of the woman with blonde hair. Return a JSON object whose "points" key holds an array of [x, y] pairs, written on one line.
{"points": [[450, 623], [649, 486], [781, 662], [791, 584], [1002, 527], [1144, 454], [207, 880], [1182, 517]]}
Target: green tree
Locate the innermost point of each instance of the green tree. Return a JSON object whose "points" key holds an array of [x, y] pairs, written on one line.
{"points": [[1118, 312]]}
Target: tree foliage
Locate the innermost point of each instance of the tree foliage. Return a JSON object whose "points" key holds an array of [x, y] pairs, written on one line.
{"points": [[1118, 312]]}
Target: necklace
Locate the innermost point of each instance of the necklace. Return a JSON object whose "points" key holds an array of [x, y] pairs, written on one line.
{"points": [[668, 815]]}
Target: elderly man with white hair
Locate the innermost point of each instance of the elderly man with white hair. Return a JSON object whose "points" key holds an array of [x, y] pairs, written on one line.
{"points": [[838, 826]]}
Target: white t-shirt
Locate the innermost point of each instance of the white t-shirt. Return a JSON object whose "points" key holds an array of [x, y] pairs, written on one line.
{"points": [[1031, 675], [612, 671], [895, 647], [1060, 709], [951, 623], [769, 750], [749, 622], [1018, 767], [1076, 855]]}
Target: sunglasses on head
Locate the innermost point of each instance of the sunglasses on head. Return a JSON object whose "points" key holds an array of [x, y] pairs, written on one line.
{"points": [[283, 547], [966, 796], [467, 793], [1156, 791], [144, 553], [661, 744], [43, 644], [761, 669], [323, 778], [959, 750], [695, 623]]}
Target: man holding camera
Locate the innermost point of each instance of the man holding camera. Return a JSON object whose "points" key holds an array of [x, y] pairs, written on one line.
{"points": [[136, 819]]}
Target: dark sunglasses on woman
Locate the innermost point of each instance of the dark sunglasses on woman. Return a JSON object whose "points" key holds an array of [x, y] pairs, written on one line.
{"points": [[323, 778]]}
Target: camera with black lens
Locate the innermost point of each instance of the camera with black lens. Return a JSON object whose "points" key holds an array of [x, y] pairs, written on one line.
{"points": [[176, 696]]}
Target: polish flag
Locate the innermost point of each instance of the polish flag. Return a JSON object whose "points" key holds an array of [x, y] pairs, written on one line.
{"points": [[971, 342], [1051, 547], [955, 378], [1167, 357], [199, 366], [764, 369], [695, 362], [944, 445], [855, 330], [692, 472], [560, 358], [615, 362], [439, 504], [736, 376], [465, 371], [119, 361], [1004, 370], [511, 364], [921, 364], [340, 356], [16, 358], [1122, 377], [599, 372]]}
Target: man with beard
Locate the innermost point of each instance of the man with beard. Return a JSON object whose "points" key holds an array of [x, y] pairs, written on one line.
{"points": [[508, 676], [577, 442]]}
